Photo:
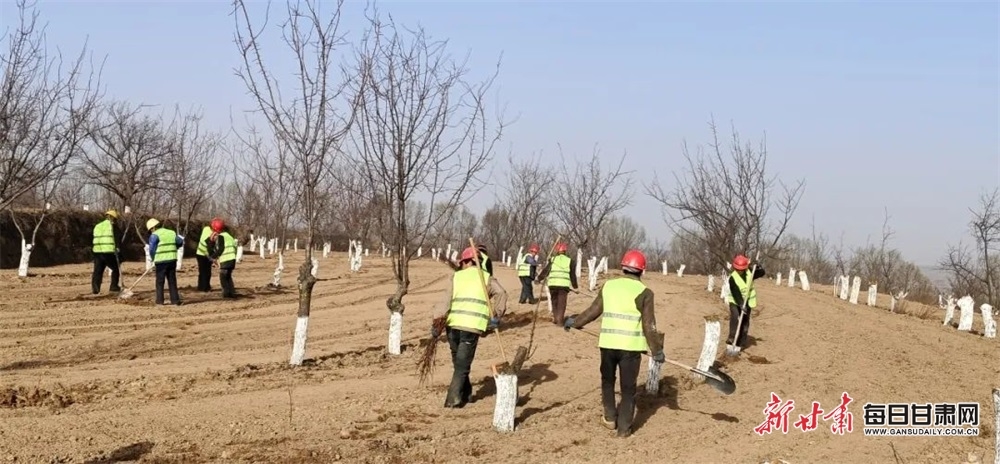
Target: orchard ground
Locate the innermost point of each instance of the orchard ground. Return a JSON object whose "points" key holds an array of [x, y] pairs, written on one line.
{"points": [[99, 378]]}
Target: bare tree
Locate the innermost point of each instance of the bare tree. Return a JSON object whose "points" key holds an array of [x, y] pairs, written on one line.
{"points": [[498, 229], [193, 155], [260, 193], [885, 266], [44, 108], [974, 271], [618, 235], [422, 132], [127, 156], [529, 211], [587, 196], [310, 125], [725, 202]]}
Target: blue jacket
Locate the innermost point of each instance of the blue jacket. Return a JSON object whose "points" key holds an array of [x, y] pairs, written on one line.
{"points": [[155, 240]]}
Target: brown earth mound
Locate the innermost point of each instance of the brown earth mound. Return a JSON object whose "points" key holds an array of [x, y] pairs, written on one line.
{"points": [[99, 379]]}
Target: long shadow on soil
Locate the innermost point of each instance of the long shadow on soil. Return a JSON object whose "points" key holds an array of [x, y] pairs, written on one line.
{"points": [[647, 404], [124, 454]]}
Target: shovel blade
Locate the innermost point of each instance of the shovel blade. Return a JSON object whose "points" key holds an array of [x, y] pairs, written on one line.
{"points": [[125, 295], [719, 380]]}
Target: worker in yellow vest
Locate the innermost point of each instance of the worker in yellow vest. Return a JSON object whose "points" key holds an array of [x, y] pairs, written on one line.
{"points": [[106, 254], [223, 253], [204, 260], [526, 270], [740, 290], [628, 329], [559, 271], [466, 319], [163, 245]]}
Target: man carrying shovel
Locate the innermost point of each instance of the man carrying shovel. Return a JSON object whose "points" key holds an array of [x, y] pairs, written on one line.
{"points": [[628, 329], [742, 300], [466, 319]]}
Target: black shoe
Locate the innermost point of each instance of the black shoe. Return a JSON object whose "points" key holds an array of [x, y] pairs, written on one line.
{"points": [[116, 290]]}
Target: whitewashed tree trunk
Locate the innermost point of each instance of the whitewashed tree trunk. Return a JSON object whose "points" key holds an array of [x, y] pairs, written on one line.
{"points": [[845, 283], [855, 289], [180, 256], [653, 377], [299, 343], [579, 264], [711, 282], [295, 245], [149, 259], [967, 305], [804, 280], [288, 246], [315, 267], [520, 255], [503, 256], [128, 209], [253, 244], [603, 265], [366, 252], [709, 348], [949, 313], [592, 272], [791, 277], [239, 254], [872, 295], [262, 249], [664, 264], [990, 324], [509, 260], [725, 292], [680, 270], [276, 281], [22, 267], [395, 333], [86, 207], [447, 251], [420, 252], [506, 405], [777, 279]]}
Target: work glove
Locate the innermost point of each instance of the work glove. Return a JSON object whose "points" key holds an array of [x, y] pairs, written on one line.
{"points": [[494, 323], [659, 356], [569, 322]]}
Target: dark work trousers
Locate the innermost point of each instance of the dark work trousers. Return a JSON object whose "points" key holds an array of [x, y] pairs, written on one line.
{"points": [[226, 279], [204, 273], [734, 318], [527, 291], [463, 350], [625, 364], [103, 261], [559, 295], [167, 271]]}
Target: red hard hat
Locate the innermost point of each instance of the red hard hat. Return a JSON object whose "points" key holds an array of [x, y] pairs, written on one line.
{"points": [[634, 259], [740, 262], [561, 248], [468, 253], [533, 248], [217, 225]]}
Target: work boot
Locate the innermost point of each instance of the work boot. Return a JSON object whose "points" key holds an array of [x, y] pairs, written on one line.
{"points": [[608, 423]]}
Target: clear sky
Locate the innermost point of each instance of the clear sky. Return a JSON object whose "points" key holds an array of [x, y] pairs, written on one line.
{"points": [[875, 104]]}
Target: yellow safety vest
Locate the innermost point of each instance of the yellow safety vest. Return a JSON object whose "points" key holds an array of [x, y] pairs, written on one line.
{"points": [[621, 322], [203, 241], [744, 286], [166, 250], [559, 272], [104, 237], [229, 250], [523, 268], [469, 306]]}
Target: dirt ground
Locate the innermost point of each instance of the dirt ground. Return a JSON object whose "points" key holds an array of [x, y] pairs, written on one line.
{"points": [[98, 379]]}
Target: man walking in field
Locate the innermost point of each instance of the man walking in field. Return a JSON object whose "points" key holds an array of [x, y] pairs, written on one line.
{"points": [[466, 320], [163, 244], [204, 261], [106, 254], [559, 272], [628, 329], [741, 290]]}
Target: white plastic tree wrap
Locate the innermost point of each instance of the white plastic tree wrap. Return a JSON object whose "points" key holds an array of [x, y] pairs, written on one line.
{"points": [[804, 280], [710, 347], [791, 277], [395, 333], [680, 270], [855, 289], [276, 280], [949, 313], [149, 259], [872, 295], [506, 402], [990, 324], [844, 288]]}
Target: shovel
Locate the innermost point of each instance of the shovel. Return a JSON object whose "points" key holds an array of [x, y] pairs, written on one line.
{"points": [[713, 377], [128, 292]]}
